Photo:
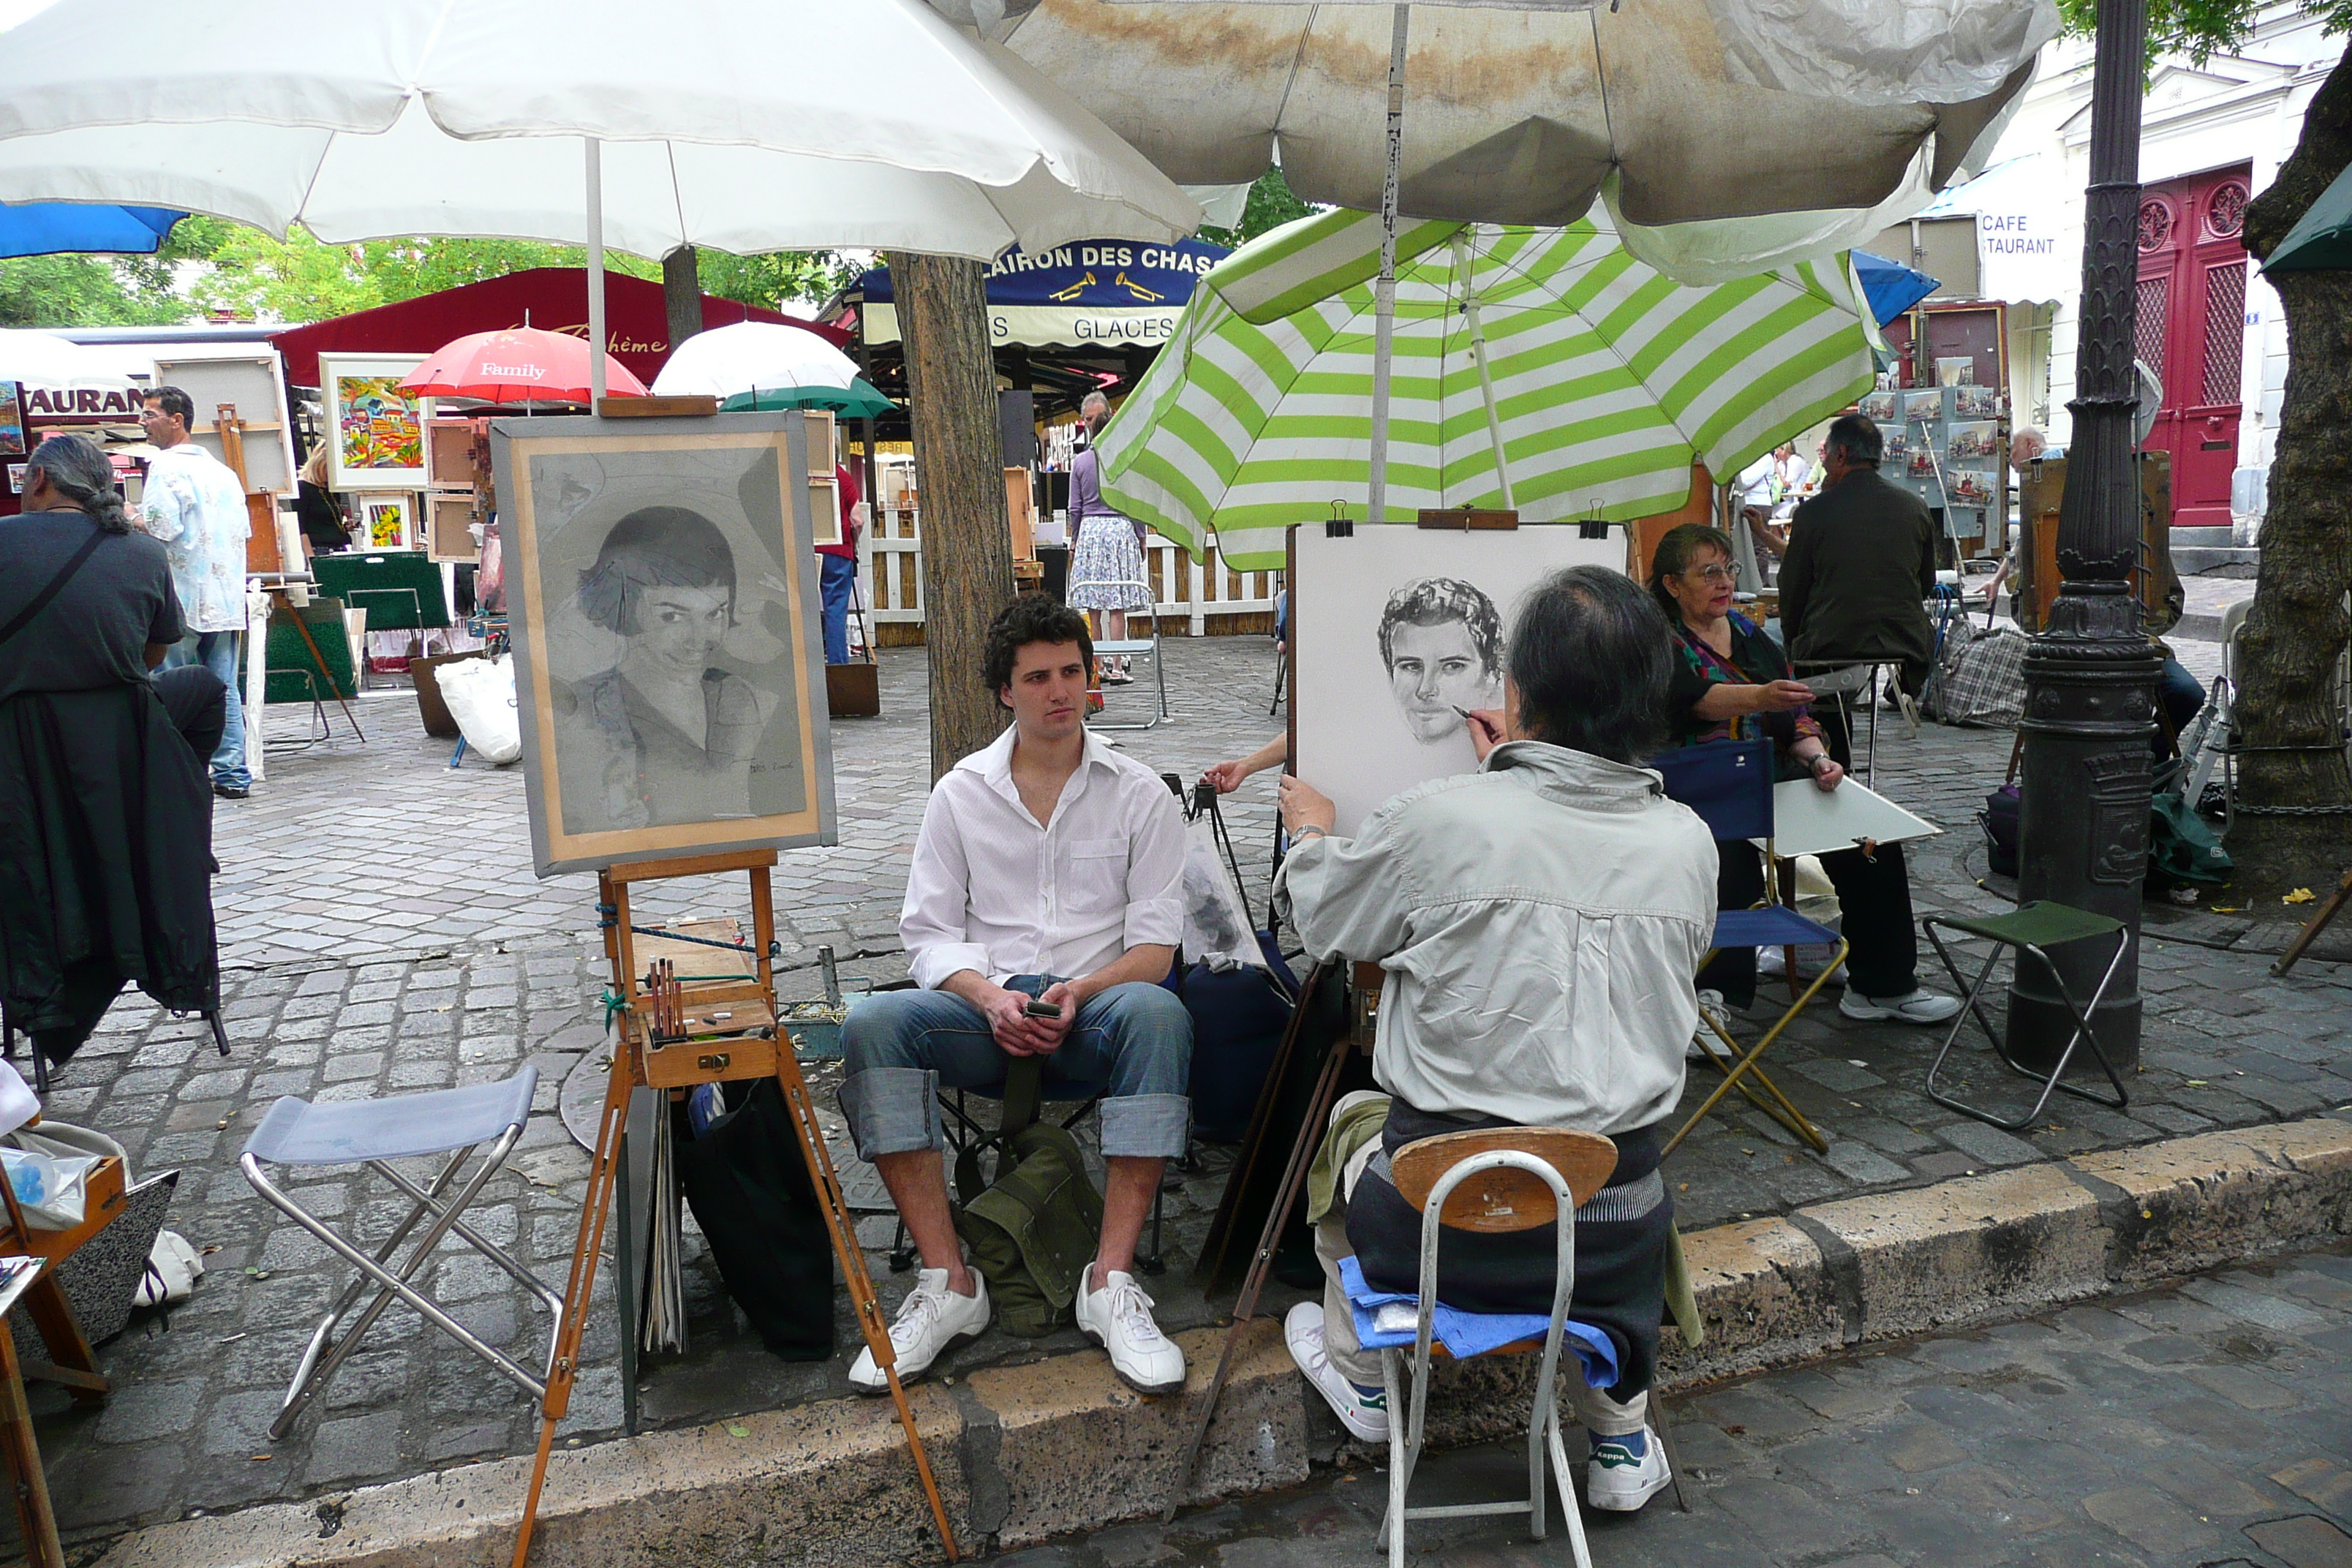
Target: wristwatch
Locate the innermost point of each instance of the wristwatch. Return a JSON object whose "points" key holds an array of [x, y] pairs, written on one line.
{"points": [[1315, 828], [1815, 766]]}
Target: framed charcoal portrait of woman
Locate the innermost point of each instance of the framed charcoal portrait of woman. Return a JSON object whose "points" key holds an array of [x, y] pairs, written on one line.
{"points": [[669, 670]]}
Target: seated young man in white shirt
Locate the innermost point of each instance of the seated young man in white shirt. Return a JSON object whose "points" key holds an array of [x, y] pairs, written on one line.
{"points": [[1049, 869]]}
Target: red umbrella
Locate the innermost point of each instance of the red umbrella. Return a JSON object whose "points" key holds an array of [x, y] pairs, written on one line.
{"points": [[521, 365]]}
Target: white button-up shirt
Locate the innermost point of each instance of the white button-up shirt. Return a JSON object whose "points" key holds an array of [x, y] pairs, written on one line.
{"points": [[195, 505], [993, 889]]}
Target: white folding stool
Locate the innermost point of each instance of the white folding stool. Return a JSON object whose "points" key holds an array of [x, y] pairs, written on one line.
{"points": [[374, 1133]]}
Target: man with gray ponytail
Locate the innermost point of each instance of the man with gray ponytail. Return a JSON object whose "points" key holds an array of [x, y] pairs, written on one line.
{"points": [[194, 504]]}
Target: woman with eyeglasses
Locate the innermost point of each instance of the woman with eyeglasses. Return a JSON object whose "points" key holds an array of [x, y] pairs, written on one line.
{"points": [[1731, 682]]}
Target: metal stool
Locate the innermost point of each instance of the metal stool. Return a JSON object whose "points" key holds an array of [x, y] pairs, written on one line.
{"points": [[2031, 927], [452, 1121]]}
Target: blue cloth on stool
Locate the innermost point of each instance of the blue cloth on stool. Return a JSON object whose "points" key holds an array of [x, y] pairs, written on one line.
{"points": [[1466, 1334]]}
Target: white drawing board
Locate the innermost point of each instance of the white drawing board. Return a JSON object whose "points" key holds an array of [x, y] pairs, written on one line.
{"points": [[1809, 820], [1376, 715]]}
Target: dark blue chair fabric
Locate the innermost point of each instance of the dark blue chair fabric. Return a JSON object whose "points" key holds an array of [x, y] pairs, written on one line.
{"points": [[1727, 783]]}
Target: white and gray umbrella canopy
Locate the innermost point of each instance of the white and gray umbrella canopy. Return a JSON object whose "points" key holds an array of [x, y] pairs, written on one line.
{"points": [[39, 359], [1525, 111], [737, 124]]}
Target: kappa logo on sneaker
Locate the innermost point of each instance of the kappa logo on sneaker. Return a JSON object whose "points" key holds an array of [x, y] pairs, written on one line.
{"points": [[1616, 1455]]}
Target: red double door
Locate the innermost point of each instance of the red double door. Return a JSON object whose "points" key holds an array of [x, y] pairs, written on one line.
{"points": [[2192, 332]]}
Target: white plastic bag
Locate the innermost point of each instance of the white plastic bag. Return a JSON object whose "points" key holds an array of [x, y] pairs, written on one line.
{"points": [[52, 1188], [174, 1267], [19, 1104], [1217, 927], [480, 695]]}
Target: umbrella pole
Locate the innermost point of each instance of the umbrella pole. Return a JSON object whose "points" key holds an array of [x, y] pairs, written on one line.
{"points": [[1384, 290], [595, 273], [1478, 357]]}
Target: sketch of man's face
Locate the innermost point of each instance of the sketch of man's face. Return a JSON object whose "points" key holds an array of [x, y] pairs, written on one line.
{"points": [[679, 628], [1433, 670]]}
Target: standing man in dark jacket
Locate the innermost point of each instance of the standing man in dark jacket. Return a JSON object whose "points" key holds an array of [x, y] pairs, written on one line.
{"points": [[1861, 562]]}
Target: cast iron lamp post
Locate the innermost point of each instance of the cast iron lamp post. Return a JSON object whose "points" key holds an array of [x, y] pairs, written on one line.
{"points": [[2090, 678]]}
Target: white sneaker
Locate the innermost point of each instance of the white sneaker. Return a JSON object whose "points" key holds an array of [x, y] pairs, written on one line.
{"points": [[1118, 1318], [931, 1319], [1711, 1003], [1621, 1481], [1771, 965], [1918, 1007], [1363, 1412]]}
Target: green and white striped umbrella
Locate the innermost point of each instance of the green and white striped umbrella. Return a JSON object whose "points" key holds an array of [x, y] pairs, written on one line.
{"points": [[1595, 380]]}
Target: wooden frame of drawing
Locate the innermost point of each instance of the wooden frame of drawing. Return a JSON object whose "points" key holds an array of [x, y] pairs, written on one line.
{"points": [[384, 521], [375, 432], [662, 599], [1370, 609], [448, 531]]}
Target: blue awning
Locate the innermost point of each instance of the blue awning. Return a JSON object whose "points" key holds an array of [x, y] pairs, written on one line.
{"points": [[58, 228], [1891, 287]]}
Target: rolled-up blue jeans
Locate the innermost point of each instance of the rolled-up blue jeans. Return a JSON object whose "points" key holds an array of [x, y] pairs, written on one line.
{"points": [[223, 653], [1133, 1042]]}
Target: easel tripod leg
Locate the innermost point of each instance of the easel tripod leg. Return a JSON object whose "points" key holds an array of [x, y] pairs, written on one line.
{"points": [[565, 1365], [854, 1278]]}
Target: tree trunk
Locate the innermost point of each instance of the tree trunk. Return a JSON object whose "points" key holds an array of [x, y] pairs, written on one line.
{"points": [[682, 294], [967, 542], [2289, 707]]}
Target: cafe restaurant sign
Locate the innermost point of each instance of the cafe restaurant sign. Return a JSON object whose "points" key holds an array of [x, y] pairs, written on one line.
{"points": [[63, 405], [1092, 293]]}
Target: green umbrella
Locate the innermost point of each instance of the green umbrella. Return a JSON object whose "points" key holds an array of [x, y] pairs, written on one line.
{"points": [[1544, 369], [858, 400], [2322, 242]]}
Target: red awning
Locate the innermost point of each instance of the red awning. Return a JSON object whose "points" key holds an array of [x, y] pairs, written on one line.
{"points": [[637, 325]]}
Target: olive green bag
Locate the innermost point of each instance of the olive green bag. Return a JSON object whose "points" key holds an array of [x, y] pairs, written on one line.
{"points": [[1031, 1233]]}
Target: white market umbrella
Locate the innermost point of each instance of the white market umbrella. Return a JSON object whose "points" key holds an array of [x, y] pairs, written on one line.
{"points": [[738, 124], [39, 359], [1680, 113], [763, 365], [1545, 369]]}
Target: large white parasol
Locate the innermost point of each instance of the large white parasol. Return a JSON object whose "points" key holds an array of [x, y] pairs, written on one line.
{"points": [[732, 123]]}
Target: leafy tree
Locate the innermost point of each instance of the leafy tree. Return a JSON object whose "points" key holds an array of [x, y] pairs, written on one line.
{"points": [[2288, 707], [1270, 205], [82, 291], [779, 277]]}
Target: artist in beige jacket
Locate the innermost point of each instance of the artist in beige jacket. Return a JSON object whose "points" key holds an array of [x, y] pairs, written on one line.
{"points": [[1540, 922]]}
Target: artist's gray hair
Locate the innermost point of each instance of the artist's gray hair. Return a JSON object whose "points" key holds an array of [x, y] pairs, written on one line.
{"points": [[78, 470], [1591, 654], [1092, 404], [2024, 434]]}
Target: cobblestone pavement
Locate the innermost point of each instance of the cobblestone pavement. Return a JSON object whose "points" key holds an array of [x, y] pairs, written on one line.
{"points": [[384, 932], [2198, 1427]]}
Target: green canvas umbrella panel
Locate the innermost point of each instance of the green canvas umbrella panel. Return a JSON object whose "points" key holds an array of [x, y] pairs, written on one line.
{"points": [[1541, 368]]}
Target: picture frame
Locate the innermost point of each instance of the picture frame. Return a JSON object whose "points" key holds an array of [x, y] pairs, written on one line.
{"points": [[12, 421], [662, 603], [449, 453], [1362, 736], [375, 432], [384, 521], [448, 527]]}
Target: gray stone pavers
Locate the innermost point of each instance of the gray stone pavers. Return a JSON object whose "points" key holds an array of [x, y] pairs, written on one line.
{"points": [[504, 968]]}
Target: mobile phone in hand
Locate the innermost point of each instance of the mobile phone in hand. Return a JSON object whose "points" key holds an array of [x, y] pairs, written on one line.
{"points": [[1033, 1008]]}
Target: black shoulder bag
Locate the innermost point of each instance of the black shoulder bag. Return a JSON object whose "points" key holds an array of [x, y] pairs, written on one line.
{"points": [[40, 601]]}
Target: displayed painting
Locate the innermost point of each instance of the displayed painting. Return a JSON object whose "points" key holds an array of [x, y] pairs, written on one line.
{"points": [[12, 421], [1977, 403], [1882, 407], [1897, 445], [375, 432], [1973, 446], [1397, 630], [385, 522], [1918, 405], [662, 600]]}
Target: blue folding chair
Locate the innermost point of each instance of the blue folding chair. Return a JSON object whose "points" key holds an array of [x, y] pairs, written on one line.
{"points": [[1729, 785]]}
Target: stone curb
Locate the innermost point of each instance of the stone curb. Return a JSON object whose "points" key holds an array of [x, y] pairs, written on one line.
{"points": [[1029, 1452]]}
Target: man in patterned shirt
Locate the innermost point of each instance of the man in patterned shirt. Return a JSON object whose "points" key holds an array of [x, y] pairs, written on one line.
{"points": [[195, 506]]}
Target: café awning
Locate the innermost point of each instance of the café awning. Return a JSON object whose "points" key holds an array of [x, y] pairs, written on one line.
{"points": [[1111, 293]]}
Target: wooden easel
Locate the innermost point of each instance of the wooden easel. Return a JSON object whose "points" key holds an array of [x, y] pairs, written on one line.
{"points": [[2317, 924], [728, 1033]]}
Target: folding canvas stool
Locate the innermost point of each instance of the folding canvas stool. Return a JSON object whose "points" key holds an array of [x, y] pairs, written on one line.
{"points": [[374, 1133], [1490, 1179], [1729, 785], [2030, 928], [1144, 647]]}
